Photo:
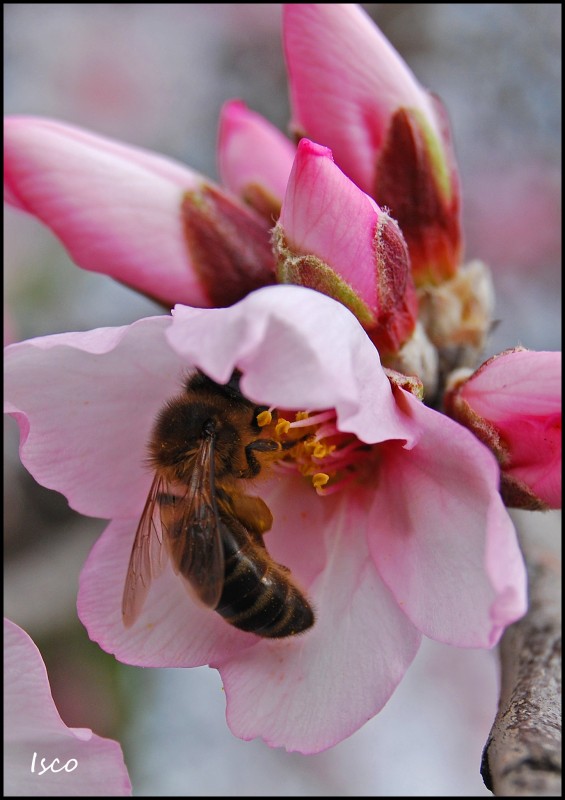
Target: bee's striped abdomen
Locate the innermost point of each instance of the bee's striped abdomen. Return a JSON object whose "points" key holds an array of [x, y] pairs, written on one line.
{"points": [[258, 595]]}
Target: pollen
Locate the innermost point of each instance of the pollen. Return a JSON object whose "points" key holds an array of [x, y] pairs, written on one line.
{"points": [[322, 450], [319, 479], [282, 427], [264, 418]]}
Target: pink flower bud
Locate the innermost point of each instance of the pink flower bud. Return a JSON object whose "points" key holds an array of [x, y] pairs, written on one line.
{"points": [[513, 404], [351, 91], [332, 237], [145, 220]]}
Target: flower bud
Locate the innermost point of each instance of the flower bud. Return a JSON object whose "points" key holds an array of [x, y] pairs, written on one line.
{"points": [[513, 404], [145, 220], [351, 91], [332, 237]]}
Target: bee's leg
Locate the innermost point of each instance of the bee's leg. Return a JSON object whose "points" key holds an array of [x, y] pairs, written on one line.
{"points": [[254, 465], [251, 512]]}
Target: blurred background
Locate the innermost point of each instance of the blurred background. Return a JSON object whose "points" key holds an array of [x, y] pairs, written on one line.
{"points": [[156, 76]]}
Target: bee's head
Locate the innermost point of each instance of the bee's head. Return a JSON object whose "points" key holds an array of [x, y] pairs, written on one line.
{"points": [[180, 430]]}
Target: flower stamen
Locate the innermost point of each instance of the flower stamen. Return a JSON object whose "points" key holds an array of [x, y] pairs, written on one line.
{"points": [[282, 427], [313, 446], [265, 417], [302, 420], [320, 479]]}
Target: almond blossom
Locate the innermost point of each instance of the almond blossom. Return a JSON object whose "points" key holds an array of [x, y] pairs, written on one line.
{"points": [[42, 756], [512, 403], [392, 521], [407, 536]]}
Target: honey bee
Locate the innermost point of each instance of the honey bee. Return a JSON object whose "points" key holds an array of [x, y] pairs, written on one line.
{"points": [[204, 445]]}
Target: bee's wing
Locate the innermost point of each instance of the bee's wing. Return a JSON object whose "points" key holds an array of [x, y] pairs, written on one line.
{"points": [[148, 556], [193, 529]]}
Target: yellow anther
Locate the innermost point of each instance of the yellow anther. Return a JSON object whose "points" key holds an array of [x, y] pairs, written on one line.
{"points": [[264, 418], [320, 479], [282, 426], [320, 450], [310, 445], [301, 415]]}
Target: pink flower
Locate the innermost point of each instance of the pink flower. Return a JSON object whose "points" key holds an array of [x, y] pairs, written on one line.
{"points": [[334, 238], [42, 755], [513, 404], [147, 221], [254, 159], [352, 92], [407, 537]]}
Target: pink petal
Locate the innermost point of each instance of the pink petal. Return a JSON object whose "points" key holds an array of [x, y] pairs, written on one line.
{"points": [[291, 343], [33, 726], [293, 540], [325, 214], [309, 693], [345, 81], [172, 629], [536, 459], [253, 155], [116, 209], [442, 539], [74, 395], [516, 383]]}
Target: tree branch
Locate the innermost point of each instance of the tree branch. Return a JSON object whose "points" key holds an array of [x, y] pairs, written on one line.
{"points": [[522, 757]]}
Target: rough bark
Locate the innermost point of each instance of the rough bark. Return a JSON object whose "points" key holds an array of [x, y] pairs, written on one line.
{"points": [[522, 757]]}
